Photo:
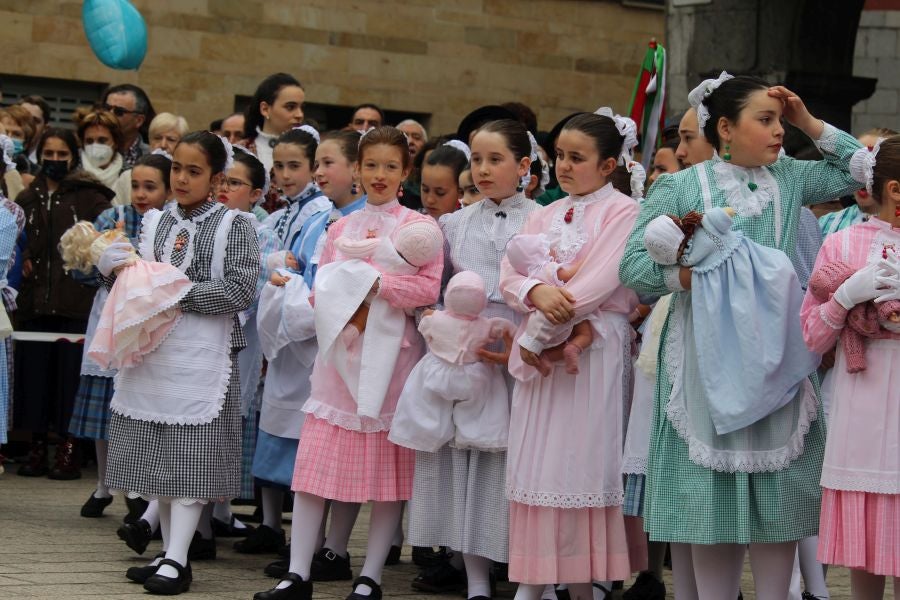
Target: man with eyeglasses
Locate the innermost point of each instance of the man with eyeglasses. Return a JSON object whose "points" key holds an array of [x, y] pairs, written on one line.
{"points": [[132, 108]]}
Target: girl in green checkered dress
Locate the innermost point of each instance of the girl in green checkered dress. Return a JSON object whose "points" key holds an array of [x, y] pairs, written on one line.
{"points": [[713, 495]]}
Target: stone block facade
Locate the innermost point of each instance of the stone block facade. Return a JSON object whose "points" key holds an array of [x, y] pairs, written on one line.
{"points": [[438, 57], [877, 54]]}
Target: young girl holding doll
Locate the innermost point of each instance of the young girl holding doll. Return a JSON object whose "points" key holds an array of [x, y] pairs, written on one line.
{"points": [[344, 453], [90, 415], [711, 495], [860, 522], [458, 497], [565, 486], [337, 175], [287, 382], [161, 413], [243, 187]]}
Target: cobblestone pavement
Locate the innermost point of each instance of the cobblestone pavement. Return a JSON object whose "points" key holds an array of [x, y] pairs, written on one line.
{"points": [[48, 551]]}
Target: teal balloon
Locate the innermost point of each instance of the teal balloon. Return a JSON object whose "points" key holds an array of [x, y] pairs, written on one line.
{"points": [[116, 32]]}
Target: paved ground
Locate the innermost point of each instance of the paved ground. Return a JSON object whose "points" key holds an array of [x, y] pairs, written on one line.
{"points": [[48, 551]]}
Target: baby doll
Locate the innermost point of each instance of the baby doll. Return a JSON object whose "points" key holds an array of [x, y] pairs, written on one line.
{"points": [[745, 309], [411, 246], [282, 264], [866, 320], [451, 394], [531, 255], [143, 303]]}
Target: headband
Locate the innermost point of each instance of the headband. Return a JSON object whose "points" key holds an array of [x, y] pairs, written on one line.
{"points": [[699, 94], [461, 146], [862, 164], [311, 131], [162, 152]]}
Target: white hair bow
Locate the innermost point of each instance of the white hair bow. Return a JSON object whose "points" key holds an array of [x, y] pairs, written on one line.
{"points": [[311, 131], [461, 146], [229, 153], [700, 93], [627, 129], [862, 164]]}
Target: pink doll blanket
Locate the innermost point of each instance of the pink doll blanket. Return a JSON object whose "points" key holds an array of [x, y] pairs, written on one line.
{"points": [[141, 310]]}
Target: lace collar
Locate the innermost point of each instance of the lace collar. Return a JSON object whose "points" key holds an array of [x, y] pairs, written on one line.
{"points": [[748, 190], [382, 208], [567, 230]]}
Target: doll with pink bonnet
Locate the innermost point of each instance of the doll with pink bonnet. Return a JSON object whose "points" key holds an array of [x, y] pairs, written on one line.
{"points": [[531, 256], [451, 395], [142, 307]]}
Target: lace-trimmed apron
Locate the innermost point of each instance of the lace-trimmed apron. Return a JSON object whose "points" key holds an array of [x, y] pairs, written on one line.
{"points": [[770, 444], [185, 380]]}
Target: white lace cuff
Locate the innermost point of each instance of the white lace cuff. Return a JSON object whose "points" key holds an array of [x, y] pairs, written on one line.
{"points": [[671, 276], [827, 142], [823, 314]]}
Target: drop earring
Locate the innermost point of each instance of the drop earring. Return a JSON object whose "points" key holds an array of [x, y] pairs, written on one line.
{"points": [[354, 189], [400, 192], [727, 156]]}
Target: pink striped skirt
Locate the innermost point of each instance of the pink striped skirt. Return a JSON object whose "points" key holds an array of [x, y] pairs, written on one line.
{"points": [[573, 545], [351, 466], [860, 530]]}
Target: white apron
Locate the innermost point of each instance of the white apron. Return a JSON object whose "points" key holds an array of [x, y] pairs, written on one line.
{"points": [[185, 380]]}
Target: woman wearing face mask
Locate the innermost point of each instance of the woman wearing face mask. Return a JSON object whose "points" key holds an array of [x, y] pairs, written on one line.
{"points": [[100, 135], [49, 300]]}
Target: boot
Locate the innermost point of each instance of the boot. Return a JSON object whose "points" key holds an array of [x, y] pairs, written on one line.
{"points": [[66, 466], [36, 463]]}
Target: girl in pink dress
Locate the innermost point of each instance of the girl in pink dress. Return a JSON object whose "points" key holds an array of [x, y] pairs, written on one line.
{"points": [[344, 452], [860, 519], [564, 465]]}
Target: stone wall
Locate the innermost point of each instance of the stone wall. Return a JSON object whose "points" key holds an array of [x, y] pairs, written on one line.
{"points": [[430, 56], [877, 55]]}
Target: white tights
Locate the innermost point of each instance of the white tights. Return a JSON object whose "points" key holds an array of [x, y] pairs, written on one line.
{"points": [[713, 572], [178, 522], [102, 491], [478, 575], [867, 586]]}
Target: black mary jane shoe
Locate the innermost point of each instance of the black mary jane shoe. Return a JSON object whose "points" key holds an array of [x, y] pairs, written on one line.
{"points": [[264, 540], [228, 530], [136, 508], [170, 586], [136, 536], [330, 566], [278, 569], [298, 590], [142, 574], [93, 508], [363, 580], [442, 578]]}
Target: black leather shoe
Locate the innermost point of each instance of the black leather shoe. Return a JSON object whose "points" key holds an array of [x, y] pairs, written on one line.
{"points": [[170, 586], [136, 536], [223, 529], [329, 566], [278, 569], [136, 508], [201, 549], [423, 556], [93, 508], [646, 587], [393, 557], [141, 574], [363, 580], [264, 540], [440, 579], [298, 590]]}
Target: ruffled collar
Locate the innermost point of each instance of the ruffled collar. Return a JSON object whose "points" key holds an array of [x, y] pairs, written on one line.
{"points": [[567, 231], [382, 208], [748, 190], [605, 192]]}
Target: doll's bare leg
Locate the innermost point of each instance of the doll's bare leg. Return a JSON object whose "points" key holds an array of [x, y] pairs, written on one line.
{"points": [[356, 325], [581, 338]]}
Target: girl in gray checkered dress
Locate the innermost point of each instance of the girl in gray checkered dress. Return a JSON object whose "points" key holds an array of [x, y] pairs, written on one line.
{"points": [[175, 431]]}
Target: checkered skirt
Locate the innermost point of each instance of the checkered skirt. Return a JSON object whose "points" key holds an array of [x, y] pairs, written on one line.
{"points": [[861, 530], [634, 495], [351, 466], [90, 415], [459, 501], [200, 462]]}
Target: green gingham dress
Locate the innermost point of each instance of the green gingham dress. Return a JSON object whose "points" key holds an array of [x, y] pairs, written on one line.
{"points": [[684, 501]]}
